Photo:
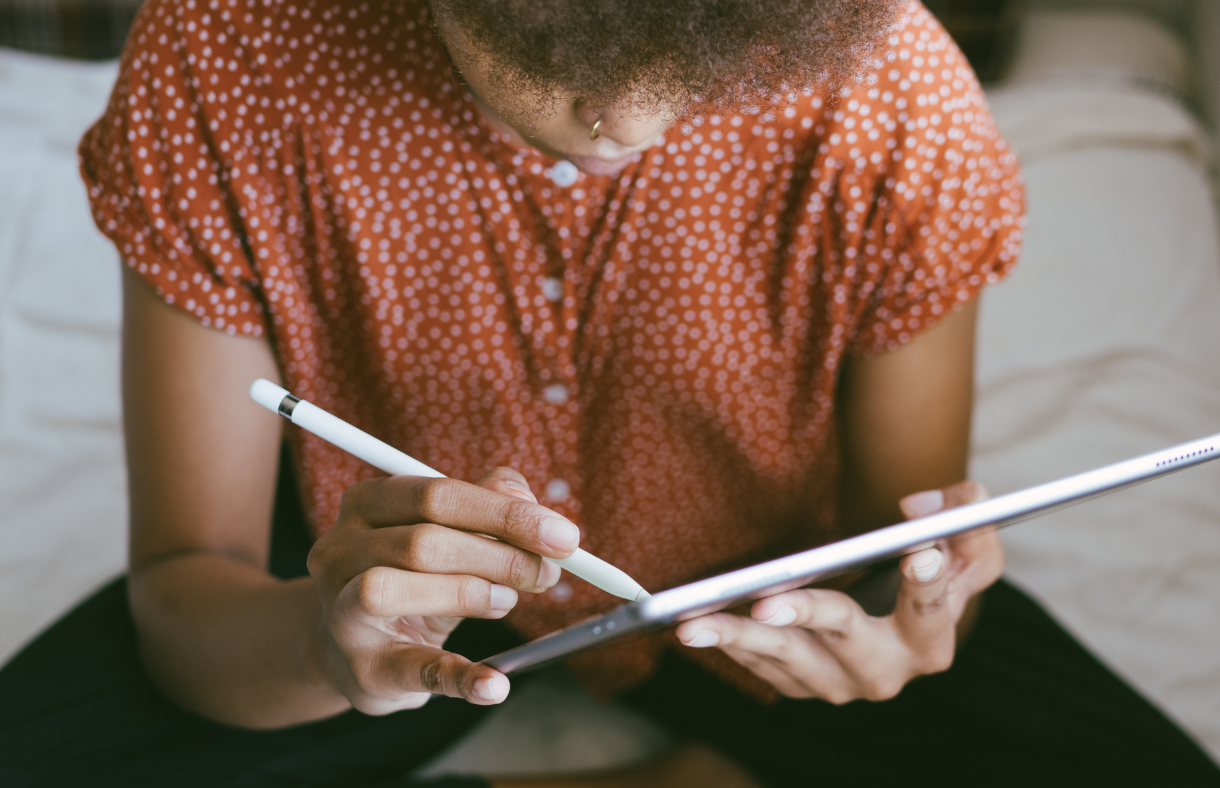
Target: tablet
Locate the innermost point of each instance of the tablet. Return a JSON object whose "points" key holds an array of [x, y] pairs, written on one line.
{"points": [[800, 569]]}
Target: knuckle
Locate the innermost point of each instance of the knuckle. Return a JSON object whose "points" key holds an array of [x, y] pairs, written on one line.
{"points": [[927, 607], [441, 674], [882, 689], [434, 499], [727, 627], [370, 591], [350, 498], [432, 674], [354, 497], [422, 544], [838, 697], [836, 621], [519, 518], [520, 570], [318, 561], [472, 594], [785, 651]]}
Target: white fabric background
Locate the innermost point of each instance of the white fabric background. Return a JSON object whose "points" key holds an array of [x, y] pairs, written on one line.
{"points": [[63, 507]]}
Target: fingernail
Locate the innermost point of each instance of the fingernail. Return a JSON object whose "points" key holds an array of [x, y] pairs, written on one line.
{"points": [[926, 565], [704, 638], [493, 688], [502, 597], [520, 488], [548, 574], [780, 618], [922, 504], [559, 534]]}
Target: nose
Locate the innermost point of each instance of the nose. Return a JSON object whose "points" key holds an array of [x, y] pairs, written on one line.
{"points": [[626, 130]]}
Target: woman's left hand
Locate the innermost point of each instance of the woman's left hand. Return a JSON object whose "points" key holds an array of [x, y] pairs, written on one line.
{"points": [[819, 643]]}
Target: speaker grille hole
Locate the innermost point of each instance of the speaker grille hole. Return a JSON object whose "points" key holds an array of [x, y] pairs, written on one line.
{"points": [[1198, 453]]}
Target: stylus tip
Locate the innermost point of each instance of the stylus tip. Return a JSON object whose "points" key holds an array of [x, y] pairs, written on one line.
{"points": [[640, 597]]}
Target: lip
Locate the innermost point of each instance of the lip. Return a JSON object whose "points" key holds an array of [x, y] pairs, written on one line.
{"points": [[595, 166]]}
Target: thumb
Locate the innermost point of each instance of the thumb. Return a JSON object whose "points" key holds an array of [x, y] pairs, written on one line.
{"points": [[425, 669], [921, 610]]}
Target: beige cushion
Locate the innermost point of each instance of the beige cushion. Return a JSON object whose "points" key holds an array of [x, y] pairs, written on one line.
{"points": [[1100, 46]]}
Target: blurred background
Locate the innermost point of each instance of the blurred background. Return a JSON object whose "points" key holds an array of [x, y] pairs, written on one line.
{"points": [[1104, 344], [95, 29]]}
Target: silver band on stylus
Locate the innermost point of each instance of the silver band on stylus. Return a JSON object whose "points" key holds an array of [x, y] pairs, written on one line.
{"points": [[286, 405]]}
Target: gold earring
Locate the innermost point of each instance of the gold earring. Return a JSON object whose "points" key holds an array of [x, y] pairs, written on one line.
{"points": [[593, 131]]}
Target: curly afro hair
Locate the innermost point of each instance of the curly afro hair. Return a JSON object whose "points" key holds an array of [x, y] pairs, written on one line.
{"points": [[671, 54]]}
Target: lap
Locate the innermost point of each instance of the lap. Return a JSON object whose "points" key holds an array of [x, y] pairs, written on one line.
{"points": [[1023, 704], [77, 709]]}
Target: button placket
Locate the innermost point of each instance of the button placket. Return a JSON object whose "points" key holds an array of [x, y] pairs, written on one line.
{"points": [[564, 174], [559, 210], [552, 289], [556, 394]]}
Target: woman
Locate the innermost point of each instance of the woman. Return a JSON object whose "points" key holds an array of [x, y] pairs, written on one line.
{"points": [[696, 281]]}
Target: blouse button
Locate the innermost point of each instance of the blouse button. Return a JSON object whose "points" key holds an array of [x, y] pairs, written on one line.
{"points": [[561, 591], [558, 490], [564, 174], [552, 288], [556, 394]]}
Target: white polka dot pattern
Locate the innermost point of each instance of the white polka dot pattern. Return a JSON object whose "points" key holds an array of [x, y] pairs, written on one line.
{"points": [[666, 342]]}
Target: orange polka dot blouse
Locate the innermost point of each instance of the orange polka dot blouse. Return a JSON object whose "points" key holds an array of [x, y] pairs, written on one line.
{"points": [[657, 351]]}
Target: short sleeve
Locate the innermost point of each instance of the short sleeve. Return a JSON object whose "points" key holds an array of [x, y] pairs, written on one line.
{"points": [[158, 184], [950, 203]]}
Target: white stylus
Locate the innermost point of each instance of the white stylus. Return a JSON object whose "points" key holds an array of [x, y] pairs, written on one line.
{"points": [[384, 456]]}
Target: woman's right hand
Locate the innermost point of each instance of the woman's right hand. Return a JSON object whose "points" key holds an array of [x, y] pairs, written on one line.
{"points": [[405, 562]]}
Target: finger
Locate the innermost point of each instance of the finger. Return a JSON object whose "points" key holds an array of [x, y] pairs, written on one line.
{"points": [[832, 615], [788, 659], [509, 482], [863, 648], [740, 633], [977, 562], [922, 613], [838, 624], [410, 500], [383, 592], [928, 502], [435, 549], [980, 548], [963, 493], [425, 669], [719, 628]]}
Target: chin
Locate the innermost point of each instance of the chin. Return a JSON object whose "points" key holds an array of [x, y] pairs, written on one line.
{"points": [[596, 166]]}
